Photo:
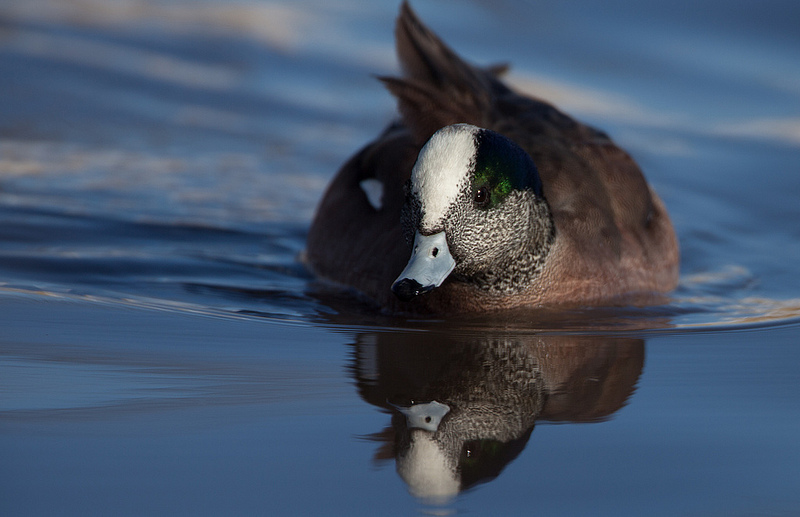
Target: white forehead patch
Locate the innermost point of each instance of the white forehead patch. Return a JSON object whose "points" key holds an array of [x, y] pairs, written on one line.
{"points": [[441, 169]]}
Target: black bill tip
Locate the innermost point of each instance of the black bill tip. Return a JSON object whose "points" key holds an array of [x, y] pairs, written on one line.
{"points": [[408, 288]]}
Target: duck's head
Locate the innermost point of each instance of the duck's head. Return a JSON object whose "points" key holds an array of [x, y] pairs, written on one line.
{"points": [[475, 209]]}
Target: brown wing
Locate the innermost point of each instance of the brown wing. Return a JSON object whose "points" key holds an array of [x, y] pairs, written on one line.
{"points": [[351, 241]]}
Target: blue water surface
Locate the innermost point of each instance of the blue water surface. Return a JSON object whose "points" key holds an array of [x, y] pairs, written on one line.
{"points": [[163, 350]]}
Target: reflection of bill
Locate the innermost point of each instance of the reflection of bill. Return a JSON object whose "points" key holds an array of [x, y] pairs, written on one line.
{"points": [[464, 407]]}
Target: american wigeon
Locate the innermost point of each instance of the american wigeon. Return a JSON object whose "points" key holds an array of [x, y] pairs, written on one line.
{"points": [[480, 198]]}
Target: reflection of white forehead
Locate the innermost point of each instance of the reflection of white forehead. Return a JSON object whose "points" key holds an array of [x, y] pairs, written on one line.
{"points": [[424, 467], [441, 168]]}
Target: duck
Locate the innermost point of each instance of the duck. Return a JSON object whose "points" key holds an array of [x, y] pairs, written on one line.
{"points": [[478, 198]]}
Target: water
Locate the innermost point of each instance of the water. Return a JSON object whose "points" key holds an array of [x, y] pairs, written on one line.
{"points": [[163, 352]]}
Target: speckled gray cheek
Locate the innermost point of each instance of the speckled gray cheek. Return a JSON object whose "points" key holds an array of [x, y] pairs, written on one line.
{"points": [[484, 236], [501, 249]]}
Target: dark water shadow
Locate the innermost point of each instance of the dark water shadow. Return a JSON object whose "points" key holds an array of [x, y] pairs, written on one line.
{"points": [[347, 308]]}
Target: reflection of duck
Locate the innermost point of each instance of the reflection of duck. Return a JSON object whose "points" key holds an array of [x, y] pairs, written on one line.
{"points": [[554, 213], [463, 408]]}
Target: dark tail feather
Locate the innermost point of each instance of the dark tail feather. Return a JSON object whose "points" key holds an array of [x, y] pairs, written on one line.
{"points": [[439, 88]]}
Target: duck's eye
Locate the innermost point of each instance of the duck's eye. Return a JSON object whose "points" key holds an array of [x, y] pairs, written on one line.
{"points": [[482, 196]]}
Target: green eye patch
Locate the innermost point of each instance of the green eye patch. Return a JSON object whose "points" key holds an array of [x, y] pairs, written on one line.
{"points": [[501, 167]]}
